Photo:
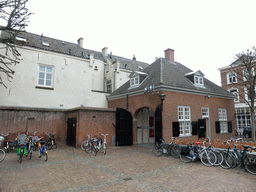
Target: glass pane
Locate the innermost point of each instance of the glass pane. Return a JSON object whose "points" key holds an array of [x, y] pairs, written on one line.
{"points": [[48, 76], [41, 75], [40, 82], [49, 69], [48, 82], [41, 68]]}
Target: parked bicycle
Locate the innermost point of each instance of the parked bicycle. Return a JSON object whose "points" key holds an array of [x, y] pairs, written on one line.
{"points": [[235, 158], [42, 150], [216, 152], [51, 142], [193, 153], [7, 142], [87, 144], [158, 148], [99, 145], [2, 152], [30, 146], [22, 150]]}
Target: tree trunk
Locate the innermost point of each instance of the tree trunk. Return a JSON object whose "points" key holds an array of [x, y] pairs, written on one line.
{"points": [[252, 120]]}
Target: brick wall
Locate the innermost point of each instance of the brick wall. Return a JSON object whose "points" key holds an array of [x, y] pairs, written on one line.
{"points": [[170, 110], [20, 120], [95, 121]]}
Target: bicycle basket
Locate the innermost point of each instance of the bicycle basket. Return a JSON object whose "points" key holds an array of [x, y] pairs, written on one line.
{"points": [[184, 150]]}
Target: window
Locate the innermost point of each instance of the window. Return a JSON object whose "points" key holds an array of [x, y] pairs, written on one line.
{"points": [[223, 120], [199, 80], [184, 120], [235, 92], [134, 81], [231, 78], [109, 85], [246, 74], [45, 76], [205, 112], [247, 96]]}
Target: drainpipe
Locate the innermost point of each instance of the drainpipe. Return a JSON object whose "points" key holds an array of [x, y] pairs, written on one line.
{"points": [[127, 104], [104, 78], [114, 80]]}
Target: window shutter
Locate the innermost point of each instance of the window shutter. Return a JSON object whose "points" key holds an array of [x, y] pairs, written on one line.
{"points": [[175, 129], [230, 126], [217, 126], [194, 128]]}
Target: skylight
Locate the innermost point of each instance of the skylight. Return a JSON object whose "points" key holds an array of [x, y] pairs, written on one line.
{"points": [[21, 39]]}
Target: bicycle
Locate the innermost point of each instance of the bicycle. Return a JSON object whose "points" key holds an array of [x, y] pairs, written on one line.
{"points": [[22, 150], [87, 144], [158, 148], [99, 145], [216, 152], [193, 153], [42, 150], [2, 152], [51, 142]]}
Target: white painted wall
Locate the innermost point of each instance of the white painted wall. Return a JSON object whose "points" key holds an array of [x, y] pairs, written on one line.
{"points": [[73, 81]]}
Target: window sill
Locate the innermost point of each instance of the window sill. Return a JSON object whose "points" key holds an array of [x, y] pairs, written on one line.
{"points": [[186, 135], [40, 87]]}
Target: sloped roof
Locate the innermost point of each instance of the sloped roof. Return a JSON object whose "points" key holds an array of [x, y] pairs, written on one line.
{"points": [[165, 74], [72, 49]]}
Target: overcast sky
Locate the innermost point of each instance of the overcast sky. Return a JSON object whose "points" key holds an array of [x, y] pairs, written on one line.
{"points": [[205, 34]]}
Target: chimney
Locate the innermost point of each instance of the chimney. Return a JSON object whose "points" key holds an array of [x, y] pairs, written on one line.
{"points": [[80, 42], [105, 51], [134, 58], [169, 54]]}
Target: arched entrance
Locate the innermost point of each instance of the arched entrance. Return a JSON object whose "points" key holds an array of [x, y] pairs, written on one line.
{"points": [[145, 126]]}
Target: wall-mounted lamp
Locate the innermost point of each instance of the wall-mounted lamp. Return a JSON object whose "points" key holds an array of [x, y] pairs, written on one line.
{"points": [[162, 97], [208, 96], [149, 89]]}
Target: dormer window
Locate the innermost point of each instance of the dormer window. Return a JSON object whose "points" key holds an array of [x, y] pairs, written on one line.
{"points": [[199, 80], [134, 81]]}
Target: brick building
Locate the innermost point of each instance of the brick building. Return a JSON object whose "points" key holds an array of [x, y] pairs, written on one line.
{"points": [[167, 99]]}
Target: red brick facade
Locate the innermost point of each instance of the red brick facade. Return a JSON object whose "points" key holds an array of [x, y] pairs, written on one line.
{"points": [[170, 110]]}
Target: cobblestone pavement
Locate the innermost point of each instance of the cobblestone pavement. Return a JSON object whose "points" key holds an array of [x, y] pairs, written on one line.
{"points": [[131, 168]]}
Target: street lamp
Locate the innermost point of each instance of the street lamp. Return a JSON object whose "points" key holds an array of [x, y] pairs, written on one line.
{"points": [[162, 97]]}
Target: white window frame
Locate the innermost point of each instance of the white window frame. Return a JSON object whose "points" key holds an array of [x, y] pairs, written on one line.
{"points": [[45, 73], [245, 72], [109, 85], [135, 81], [246, 93], [236, 93], [205, 112], [223, 119], [199, 81], [184, 118], [232, 76]]}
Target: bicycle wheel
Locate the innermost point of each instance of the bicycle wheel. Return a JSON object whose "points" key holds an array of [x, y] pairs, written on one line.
{"points": [[45, 156], [227, 160], [250, 166], [2, 155], [84, 145], [185, 158], [208, 158], [49, 145], [94, 150], [104, 148], [157, 151], [20, 158], [175, 151], [88, 147], [219, 157], [54, 145]]}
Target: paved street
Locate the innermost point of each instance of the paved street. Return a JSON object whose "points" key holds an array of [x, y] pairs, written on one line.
{"points": [[130, 168]]}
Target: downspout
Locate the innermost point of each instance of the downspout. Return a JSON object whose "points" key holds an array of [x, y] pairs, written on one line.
{"points": [[114, 80], [161, 71], [127, 104], [104, 78]]}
